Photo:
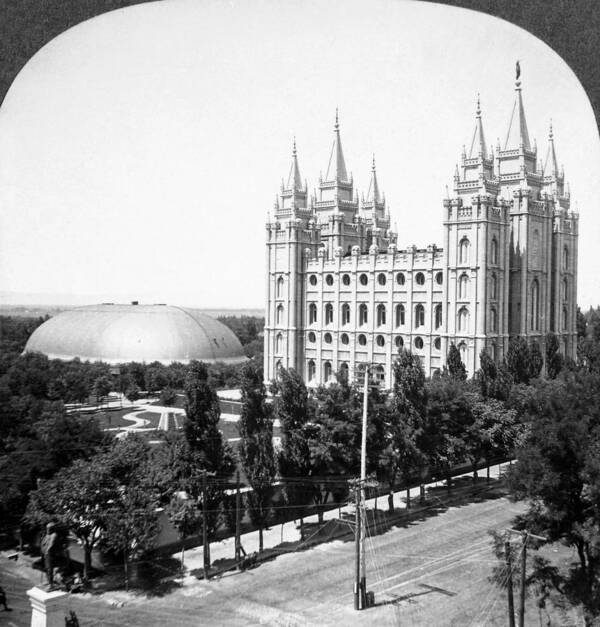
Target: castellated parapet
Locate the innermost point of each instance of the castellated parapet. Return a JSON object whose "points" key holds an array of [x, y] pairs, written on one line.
{"points": [[340, 293]]}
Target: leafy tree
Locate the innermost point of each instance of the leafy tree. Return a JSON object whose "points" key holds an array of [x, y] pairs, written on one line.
{"points": [[456, 368], [204, 438], [256, 446], [581, 324], [518, 360], [132, 393], [448, 418], [168, 397], [536, 361], [185, 516], [404, 423], [291, 408], [77, 497], [558, 473], [131, 524], [554, 359], [101, 388]]}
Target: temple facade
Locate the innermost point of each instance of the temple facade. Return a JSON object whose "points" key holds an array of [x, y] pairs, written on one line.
{"points": [[340, 294]]}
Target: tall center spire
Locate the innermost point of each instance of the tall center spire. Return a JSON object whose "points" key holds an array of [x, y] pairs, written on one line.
{"points": [[517, 134], [294, 181], [336, 169]]}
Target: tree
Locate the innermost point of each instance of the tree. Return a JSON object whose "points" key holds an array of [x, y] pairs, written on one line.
{"points": [[256, 446], [456, 368], [131, 524], [558, 472], [536, 361], [554, 359], [168, 397], [204, 438], [101, 388], [291, 408], [185, 517], [518, 360], [132, 392], [403, 424], [77, 497]]}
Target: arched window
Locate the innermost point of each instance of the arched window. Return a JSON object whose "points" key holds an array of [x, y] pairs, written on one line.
{"points": [[493, 287], [364, 279], [312, 313], [346, 279], [463, 319], [379, 374], [463, 286], [463, 251], [400, 278], [312, 338], [420, 278], [462, 349], [565, 259], [437, 343], [329, 280], [327, 338], [565, 319], [439, 278], [311, 370], [419, 343], [380, 340], [535, 306], [279, 343], [279, 291], [279, 314], [344, 371], [438, 316], [328, 313], [345, 339], [493, 351], [493, 320], [362, 339], [381, 279], [494, 251], [565, 289], [363, 314], [278, 368], [400, 315], [327, 371], [419, 316], [380, 315], [345, 313], [399, 342]]}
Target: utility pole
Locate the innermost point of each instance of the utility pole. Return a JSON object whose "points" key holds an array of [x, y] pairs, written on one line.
{"points": [[363, 500], [525, 535], [357, 594], [511, 603], [237, 518], [204, 527]]}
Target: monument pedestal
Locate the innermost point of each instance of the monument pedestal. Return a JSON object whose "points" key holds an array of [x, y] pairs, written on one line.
{"points": [[48, 609]]}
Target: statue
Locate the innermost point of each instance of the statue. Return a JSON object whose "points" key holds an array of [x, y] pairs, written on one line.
{"points": [[50, 550]]}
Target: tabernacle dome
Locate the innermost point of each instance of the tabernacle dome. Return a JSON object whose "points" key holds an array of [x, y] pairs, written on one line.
{"points": [[118, 334]]}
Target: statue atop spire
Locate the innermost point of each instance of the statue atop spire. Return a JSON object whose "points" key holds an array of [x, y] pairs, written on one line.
{"points": [[517, 134]]}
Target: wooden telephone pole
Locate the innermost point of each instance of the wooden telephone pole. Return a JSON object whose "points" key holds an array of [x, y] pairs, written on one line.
{"points": [[361, 597], [525, 535]]}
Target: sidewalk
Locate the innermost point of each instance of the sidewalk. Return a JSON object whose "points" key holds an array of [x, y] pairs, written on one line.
{"points": [[289, 532]]}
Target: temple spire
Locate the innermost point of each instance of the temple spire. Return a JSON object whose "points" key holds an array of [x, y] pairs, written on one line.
{"points": [[551, 163], [517, 134], [336, 169], [294, 181], [478, 145], [373, 194]]}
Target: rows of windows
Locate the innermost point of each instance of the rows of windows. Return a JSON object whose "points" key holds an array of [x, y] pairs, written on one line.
{"points": [[363, 314], [363, 279], [361, 340]]}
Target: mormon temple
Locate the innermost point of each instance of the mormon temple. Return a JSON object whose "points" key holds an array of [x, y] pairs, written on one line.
{"points": [[340, 294]]}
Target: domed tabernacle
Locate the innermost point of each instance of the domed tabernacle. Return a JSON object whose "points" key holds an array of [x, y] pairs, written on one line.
{"points": [[145, 333]]}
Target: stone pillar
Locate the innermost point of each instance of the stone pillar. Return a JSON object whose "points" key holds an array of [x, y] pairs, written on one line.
{"points": [[48, 609]]}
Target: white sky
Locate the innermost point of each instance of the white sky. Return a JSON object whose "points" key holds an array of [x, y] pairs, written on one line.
{"points": [[140, 151]]}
